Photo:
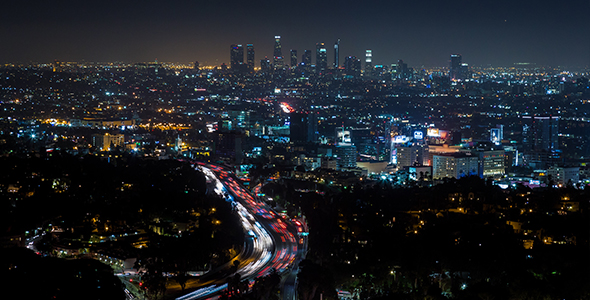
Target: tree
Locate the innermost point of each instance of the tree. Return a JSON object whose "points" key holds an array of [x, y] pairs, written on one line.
{"points": [[266, 288], [313, 280], [181, 278]]}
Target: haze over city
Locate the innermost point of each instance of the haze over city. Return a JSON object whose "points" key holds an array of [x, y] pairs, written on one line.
{"points": [[497, 33]]}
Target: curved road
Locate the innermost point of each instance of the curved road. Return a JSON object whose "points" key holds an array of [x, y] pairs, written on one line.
{"points": [[272, 242]]}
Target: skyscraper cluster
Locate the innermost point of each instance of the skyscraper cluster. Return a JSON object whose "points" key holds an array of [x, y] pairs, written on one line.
{"points": [[350, 67], [305, 65], [237, 58]]}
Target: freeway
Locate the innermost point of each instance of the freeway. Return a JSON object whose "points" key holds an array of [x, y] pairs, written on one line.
{"points": [[272, 242]]}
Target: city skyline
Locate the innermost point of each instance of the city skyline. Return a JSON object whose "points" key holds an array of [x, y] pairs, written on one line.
{"points": [[369, 181], [424, 33]]}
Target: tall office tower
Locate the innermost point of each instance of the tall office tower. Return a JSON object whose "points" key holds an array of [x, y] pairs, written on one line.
{"points": [[306, 58], [293, 58], [368, 63], [321, 58], [196, 66], [236, 57], [250, 57], [393, 70], [229, 146], [303, 127], [540, 141], [346, 156], [541, 133], [455, 67], [278, 53], [312, 127], [464, 71], [402, 69], [352, 66], [337, 54], [265, 65], [298, 127]]}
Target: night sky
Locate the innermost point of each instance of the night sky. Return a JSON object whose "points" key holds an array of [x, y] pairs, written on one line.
{"points": [[422, 33]]}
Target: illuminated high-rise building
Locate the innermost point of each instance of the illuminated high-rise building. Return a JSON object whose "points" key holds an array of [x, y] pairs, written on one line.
{"points": [[250, 57], [541, 141], [265, 65], [402, 69], [455, 67], [236, 57], [278, 53], [368, 63], [293, 58], [541, 133], [337, 54], [303, 127], [321, 59], [465, 74], [346, 156], [298, 127], [352, 66], [306, 60]]}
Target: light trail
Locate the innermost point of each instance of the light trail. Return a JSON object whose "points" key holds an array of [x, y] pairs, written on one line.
{"points": [[266, 253]]}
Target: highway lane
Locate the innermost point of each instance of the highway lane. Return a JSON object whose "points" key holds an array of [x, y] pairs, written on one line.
{"points": [[272, 243]]}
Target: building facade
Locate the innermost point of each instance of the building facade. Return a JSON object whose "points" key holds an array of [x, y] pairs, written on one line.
{"points": [[321, 58], [454, 165]]}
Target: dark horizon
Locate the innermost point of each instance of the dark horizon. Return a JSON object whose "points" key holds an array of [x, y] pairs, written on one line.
{"points": [[422, 33]]}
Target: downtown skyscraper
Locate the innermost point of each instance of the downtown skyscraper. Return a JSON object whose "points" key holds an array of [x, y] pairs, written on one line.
{"points": [[455, 67], [368, 63], [236, 57], [541, 133], [250, 57], [278, 60], [306, 60], [293, 58], [321, 59], [337, 54], [352, 66]]}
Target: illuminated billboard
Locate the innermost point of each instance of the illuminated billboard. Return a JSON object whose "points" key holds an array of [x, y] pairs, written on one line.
{"points": [[400, 139], [394, 156], [343, 136], [495, 136], [418, 135], [433, 132]]}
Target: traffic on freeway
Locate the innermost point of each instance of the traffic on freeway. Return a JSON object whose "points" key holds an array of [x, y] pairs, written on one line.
{"points": [[272, 243]]}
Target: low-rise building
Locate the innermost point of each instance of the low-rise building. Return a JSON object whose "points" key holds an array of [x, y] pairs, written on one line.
{"points": [[564, 175]]}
